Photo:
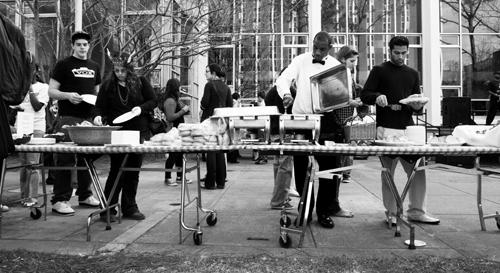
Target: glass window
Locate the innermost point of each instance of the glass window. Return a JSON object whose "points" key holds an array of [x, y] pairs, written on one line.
{"points": [[449, 16], [247, 68], [7, 8], [450, 40], [380, 17], [45, 47], [269, 16], [295, 16], [140, 5], [480, 57], [44, 6], [480, 16], [221, 20], [450, 65], [333, 16], [408, 16]]}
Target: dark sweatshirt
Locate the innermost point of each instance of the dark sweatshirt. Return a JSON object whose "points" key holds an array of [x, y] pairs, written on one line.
{"points": [[396, 82]]}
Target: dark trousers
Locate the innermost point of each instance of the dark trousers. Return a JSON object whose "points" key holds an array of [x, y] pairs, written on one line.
{"points": [[328, 190], [62, 184], [492, 109], [127, 183], [173, 158], [216, 170]]}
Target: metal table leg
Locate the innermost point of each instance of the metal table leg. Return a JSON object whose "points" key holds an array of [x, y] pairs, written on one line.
{"points": [[399, 201]]}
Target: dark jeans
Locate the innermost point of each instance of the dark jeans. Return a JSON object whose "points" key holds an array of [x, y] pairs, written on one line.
{"points": [[328, 189], [62, 184], [216, 170], [173, 158], [492, 109], [127, 183]]}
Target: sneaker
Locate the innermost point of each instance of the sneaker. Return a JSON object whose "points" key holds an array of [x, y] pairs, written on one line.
{"points": [[188, 181], [424, 218], [63, 208], [346, 180], [170, 182], [285, 205], [90, 202], [293, 193], [137, 215], [4, 208], [29, 203], [112, 218], [393, 221]]}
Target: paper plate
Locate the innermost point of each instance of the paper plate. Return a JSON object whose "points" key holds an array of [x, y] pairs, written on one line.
{"points": [[90, 99], [414, 99], [125, 117]]}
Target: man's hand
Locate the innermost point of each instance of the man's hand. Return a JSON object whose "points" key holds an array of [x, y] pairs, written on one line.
{"points": [[74, 98], [355, 102], [416, 105], [381, 101], [287, 100]]}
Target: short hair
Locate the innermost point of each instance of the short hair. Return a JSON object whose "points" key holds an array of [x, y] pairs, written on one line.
{"points": [[398, 41], [80, 35], [346, 52], [215, 68], [323, 36], [235, 96], [261, 94]]}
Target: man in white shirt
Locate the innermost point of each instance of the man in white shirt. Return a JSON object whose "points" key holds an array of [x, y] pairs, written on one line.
{"points": [[301, 69]]}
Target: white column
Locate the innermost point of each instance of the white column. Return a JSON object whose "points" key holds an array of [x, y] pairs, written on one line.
{"points": [[314, 12], [431, 56], [78, 14]]}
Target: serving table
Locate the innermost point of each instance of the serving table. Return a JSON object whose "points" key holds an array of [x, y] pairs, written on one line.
{"points": [[420, 152]]}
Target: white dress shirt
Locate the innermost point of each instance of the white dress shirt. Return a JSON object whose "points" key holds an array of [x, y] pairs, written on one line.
{"points": [[301, 69]]}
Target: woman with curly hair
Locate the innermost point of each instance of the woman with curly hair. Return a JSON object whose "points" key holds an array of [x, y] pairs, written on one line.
{"points": [[123, 91], [174, 112]]}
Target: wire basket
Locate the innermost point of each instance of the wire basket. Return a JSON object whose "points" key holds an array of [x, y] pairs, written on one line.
{"points": [[360, 131], [91, 135]]}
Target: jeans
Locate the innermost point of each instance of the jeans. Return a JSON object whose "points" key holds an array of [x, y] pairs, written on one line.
{"points": [[62, 184], [216, 170], [173, 158], [283, 168]]}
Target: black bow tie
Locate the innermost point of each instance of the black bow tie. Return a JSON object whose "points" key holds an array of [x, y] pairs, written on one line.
{"points": [[318, 62]]}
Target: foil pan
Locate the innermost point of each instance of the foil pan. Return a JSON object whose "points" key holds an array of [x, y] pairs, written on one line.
{"points": [[330, 89]]}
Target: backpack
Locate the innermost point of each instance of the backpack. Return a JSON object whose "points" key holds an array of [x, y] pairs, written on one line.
{"points": [[15, 67]]}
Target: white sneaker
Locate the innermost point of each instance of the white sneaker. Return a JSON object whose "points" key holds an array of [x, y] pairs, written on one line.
{"points": [[4, 208], [62, 207], [170, 182], [90, 202], [424, 218], [188, 181], [293, 193]]}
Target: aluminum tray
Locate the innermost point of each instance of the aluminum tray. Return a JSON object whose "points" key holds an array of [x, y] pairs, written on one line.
{"points": [[330, 89]]}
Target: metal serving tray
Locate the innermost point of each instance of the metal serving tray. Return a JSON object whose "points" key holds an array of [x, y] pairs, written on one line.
{"points": [[330, 89]]}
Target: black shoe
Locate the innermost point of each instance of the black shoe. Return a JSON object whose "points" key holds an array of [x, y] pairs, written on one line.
{"points": [[209, 187], [325, 221], [135, 216], [220, 187], [112, 218]]}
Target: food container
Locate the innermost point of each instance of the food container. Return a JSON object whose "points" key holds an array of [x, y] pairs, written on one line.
{"points": [[254, 120], [330, 89], [365, 131], [91, 135], [300, 122]]}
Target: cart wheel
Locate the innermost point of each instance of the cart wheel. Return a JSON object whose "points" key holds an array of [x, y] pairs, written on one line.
{"points": [[35, 214], [197, 238], [285, 221], [285, 243], [212, 219]]}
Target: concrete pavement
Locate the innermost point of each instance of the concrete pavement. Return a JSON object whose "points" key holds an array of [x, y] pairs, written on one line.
{"points": [[246, 224]]}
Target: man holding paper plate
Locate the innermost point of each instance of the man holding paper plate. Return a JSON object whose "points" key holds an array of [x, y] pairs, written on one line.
{"points": [[72, 78], [395, 89]]}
